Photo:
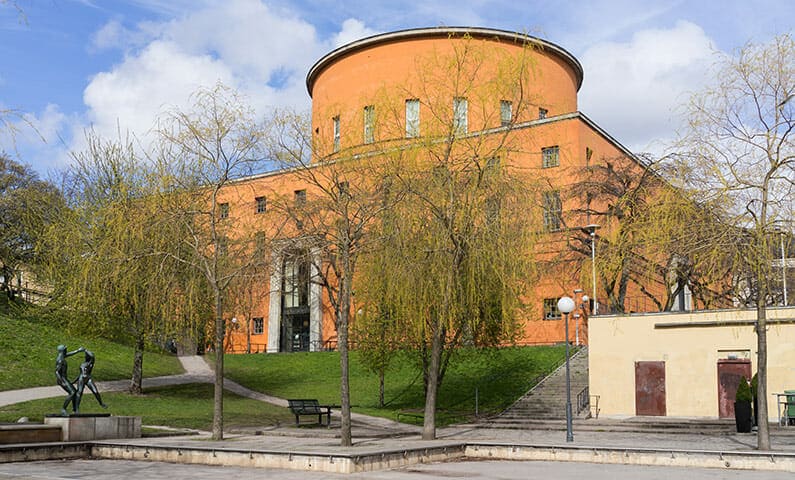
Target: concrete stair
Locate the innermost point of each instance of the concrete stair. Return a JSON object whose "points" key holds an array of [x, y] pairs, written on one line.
{"points": [[546, 401]]}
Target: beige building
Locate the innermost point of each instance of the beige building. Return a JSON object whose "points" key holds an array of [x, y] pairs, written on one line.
{"points": [[685, 364]]}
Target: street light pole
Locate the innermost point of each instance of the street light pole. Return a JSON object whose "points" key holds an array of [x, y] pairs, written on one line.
{"points": [[591, 229], [566, 306], [783, 268]]}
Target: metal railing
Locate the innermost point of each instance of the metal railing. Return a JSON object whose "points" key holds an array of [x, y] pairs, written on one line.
{"points": [[583, 400]]}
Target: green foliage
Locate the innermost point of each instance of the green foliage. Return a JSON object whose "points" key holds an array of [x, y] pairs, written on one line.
{"points": [[27, 206], [27, 354], [182, 406], [500, 374], [743, 391]]}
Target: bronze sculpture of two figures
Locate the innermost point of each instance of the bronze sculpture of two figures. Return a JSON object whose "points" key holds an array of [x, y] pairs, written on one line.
{"points": [[75, 388]]}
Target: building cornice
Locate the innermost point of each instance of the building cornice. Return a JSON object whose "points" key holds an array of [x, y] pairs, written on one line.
{"points": [[440, 32]]}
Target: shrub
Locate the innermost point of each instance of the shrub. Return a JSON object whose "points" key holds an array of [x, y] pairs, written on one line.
{"points": [[743, 391]]}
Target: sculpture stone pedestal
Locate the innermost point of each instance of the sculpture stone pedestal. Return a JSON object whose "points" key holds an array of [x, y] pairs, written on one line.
{"points": [[99, 426]]}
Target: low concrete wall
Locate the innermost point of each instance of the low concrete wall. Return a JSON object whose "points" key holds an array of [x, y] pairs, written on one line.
{"points": [[29, 433], [50, 451], [352, 463], [86, 428], [782, 462], [306, 461]]}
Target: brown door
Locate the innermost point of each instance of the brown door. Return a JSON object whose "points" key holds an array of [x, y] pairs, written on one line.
{"points": [[729, 374], [650, 388]]}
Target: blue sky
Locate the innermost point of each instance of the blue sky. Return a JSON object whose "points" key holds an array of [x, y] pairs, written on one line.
{"points": [[114, 64]]}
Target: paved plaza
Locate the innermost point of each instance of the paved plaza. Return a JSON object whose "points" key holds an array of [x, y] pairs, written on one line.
{"points": [[466, 470], [377, 436]]}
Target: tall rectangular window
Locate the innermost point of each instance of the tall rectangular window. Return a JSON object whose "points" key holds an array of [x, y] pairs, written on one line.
{"points": [[506, 112], [369, 124], [259, 245], [412, 118], [550, 157], [553, 210], [460, 115], [223, 210], [257, 326], [262, 204], [296, 283], [336, 121]]}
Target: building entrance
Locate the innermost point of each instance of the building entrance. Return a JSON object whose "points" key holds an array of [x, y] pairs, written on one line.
{"points": [[295, 332]]}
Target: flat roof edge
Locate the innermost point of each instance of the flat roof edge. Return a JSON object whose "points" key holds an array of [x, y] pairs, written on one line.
{"points": [[431, 32]]}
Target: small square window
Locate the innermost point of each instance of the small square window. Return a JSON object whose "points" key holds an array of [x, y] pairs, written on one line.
{"points": [[550, 157], [344, 189], [551, 311], [542, 113], [300, 198], [262, 204], [257, 326], [506, 112], [223, 210]]}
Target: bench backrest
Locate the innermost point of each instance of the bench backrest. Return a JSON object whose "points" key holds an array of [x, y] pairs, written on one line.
{"points": [[304, 405]]}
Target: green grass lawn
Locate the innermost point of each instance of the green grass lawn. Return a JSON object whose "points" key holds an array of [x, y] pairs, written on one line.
{"points": [[27, 355], [183, 406], [500, 376]]}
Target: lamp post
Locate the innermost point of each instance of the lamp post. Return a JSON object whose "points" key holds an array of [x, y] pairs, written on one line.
{"points": [[566, 306], [783, 264], [583, 303], [591, 230]]}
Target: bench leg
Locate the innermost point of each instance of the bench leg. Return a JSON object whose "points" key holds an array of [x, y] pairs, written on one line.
{"points": [[296, 421]]}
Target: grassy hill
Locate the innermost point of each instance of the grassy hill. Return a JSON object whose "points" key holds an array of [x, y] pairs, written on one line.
{"points": [[27, 355], [499, 375]]}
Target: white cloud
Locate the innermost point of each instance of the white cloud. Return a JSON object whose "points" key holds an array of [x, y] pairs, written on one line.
{"points": [[262, 53], [633, 89], [160, 76], [352, 30]]}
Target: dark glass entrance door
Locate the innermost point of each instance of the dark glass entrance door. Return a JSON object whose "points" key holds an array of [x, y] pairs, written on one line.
{"points": [[295, 332]]}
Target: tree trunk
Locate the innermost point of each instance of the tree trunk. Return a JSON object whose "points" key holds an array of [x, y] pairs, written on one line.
{"points": [[138, 366], [342, 336], [218, 390], [763, 432], [431, 388], [381, 375]]}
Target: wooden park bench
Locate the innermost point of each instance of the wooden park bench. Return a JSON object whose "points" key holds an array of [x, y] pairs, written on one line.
{"points": [[310, 407]]}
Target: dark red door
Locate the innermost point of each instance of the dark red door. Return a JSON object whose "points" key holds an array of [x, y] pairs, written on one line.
{"points": [[729, 374], [650, 388]]}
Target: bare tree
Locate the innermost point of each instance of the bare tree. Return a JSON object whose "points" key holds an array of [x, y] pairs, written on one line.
{"points": [[203, 150], [335, 216], [739, 154]]}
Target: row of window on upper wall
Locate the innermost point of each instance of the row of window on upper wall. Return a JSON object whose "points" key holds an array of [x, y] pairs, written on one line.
{"points": [[261, 204], [460, 119]]}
